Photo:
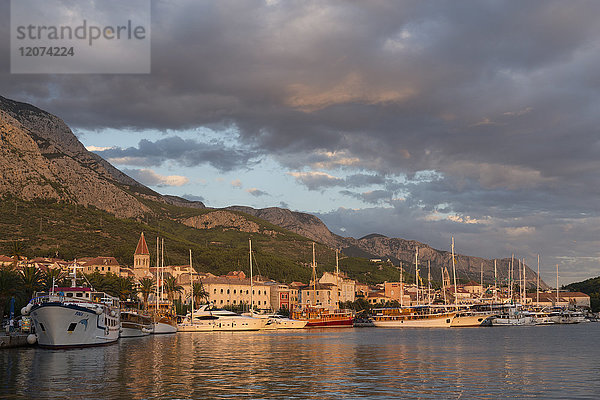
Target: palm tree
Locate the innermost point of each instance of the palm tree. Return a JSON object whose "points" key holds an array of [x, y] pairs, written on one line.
{"points": [[125, 288], [31, 280], [53, 275], [199, 292], [16, 253], [146, 287], [171, 287]]}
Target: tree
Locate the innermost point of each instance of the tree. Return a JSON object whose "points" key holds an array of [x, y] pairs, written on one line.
{"points": [[199, 292], [146, 287], [31, 280], [125, 288], [53, 275], [16, 253], [171, 287]]}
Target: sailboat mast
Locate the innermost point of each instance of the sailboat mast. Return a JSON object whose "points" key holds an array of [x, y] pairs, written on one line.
{"points": [[162, 268], [495, 281], [417, 272], [192, 284], [510, 277], [537, 291], [520, 283], [481, 294], [444, 286], [557, 284], [251, 277], [314, 275], [157, 277], [401, 286], [454, 273], [428, 282], [524, 282], [337, 277]]}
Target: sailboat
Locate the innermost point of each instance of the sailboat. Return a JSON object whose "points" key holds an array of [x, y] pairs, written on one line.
{"points": [[317, 316], [163, 319], [417, 316]]}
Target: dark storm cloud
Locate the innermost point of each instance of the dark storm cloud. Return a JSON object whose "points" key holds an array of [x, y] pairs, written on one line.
{"points": [[186, 152], [498, 99]]}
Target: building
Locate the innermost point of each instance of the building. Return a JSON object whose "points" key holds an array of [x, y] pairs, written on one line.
{"points": [[234, 290], [102, 265], [321, 295], [396, 291], [548, 299], [346, 287]]}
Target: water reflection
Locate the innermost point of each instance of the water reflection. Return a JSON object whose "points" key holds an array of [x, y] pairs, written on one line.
{"points": [[519, 362]]}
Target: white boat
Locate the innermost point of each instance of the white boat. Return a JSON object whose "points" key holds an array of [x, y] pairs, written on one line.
{"points": [[74, 317], [276, 321], [472, 318], [571, 317], [134, 324], [208, 319], [412, 317], [514, 317]]}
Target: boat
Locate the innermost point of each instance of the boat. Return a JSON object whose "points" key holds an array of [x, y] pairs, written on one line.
{"points": [[412, 317], [319, 317], [469, 318], [135, 324], [209, 319], [74, 316], [276, 321], [164, 320], [571, 317], [514, 317]]}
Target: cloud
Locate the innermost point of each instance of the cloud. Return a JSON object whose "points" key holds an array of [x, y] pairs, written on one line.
{"points": [[151, 178], [186, 152], [256, 192], [316, 180], [236, 183]]}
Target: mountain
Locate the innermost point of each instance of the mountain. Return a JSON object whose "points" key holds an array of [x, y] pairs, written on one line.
{"points": [[42, 161], [40, 157]]}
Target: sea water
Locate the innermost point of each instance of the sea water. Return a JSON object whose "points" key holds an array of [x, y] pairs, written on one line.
{"points": [[549, 362]]}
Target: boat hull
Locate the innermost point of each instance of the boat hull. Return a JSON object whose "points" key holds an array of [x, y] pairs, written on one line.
{"points": [[66, 325], [224, 324], [163, 328], [460, 321], [428, 321], [330, 323], [284, 323], [520, 321]]}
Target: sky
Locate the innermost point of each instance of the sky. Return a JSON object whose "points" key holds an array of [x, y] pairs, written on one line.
{"points": [[414, 119]]}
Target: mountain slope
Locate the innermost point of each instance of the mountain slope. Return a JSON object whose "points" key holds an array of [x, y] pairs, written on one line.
{"points": [[40, 157]]}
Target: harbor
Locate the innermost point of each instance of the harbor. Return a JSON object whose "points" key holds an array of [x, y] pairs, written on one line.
{"points": [[553, 362]]}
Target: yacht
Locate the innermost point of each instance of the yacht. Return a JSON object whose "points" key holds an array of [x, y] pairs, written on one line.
{"points": [[412, 317], [514, 317], [320, 317], [135, 324], [276, 321], [467, 318], [74, 317], [209, 319]]}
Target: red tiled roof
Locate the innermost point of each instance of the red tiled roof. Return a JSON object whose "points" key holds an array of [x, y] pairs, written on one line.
{"points": [[142, 247]]}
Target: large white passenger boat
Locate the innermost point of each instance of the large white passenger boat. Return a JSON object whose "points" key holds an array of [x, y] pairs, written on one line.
{"points": [[208, 319], [73, 317], [412, 317]]}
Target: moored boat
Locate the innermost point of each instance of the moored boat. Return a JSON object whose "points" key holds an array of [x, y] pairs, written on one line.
{"points": [[135, 324], [74, 317], [276, 321], [319, 317], [412, 317], [208, 319], [472, 319]]}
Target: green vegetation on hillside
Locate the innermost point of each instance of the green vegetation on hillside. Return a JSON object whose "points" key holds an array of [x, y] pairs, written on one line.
{"points": [[591, 287], [49, 228]]}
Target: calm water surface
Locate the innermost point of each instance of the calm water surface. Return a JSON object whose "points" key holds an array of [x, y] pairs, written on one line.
{"points": [[560, 362]]}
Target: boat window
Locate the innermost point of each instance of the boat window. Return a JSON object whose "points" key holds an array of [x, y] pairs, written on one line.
{"points": [[69, 294], [79, 294], [72, 326], [43, 327]]}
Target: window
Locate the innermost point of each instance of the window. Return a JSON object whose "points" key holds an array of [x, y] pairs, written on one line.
{"points": [[233, 291], [227, 291], [79, 294], [215, 291], [72, 327], [221, 291]]}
